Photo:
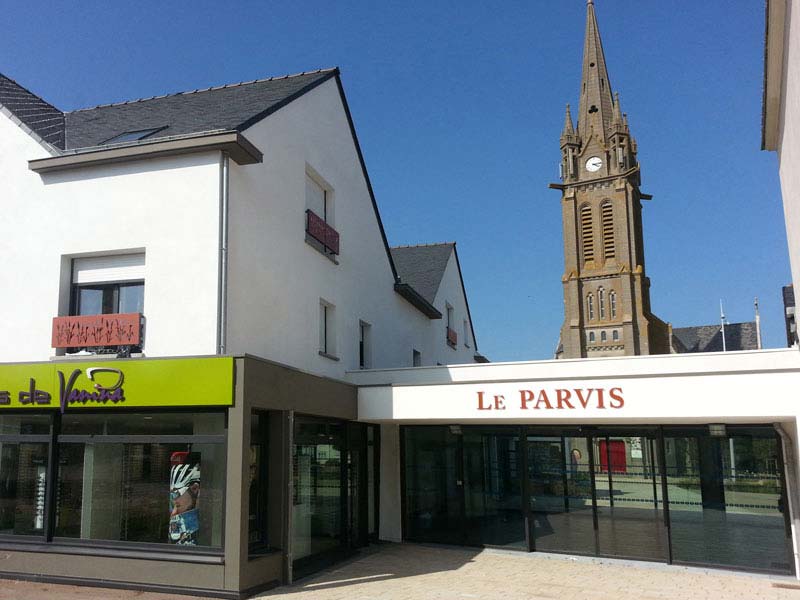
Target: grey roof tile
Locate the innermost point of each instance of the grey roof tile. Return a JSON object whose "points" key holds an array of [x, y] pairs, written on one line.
{"points": [[44, 119], [708, 338], [228, 107], [422, 267]]}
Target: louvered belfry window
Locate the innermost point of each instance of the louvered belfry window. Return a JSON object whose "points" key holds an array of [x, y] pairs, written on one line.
{"points": [[587, 240], [607, 216]]}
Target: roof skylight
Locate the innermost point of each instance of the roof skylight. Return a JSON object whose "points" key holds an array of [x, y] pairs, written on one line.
{"points": [[132, 136]]}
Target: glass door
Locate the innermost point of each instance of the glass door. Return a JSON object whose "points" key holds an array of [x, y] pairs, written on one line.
{"points": [[492, 487], [727, 502], [434, 505], [560, 494], [630, 518]]}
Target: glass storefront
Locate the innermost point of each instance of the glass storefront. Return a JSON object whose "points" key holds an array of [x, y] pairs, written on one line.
{"points": [[331, 481], [154, 478], [726, 498], [663, 494]]}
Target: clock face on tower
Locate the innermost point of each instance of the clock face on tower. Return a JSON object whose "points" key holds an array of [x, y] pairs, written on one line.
{"points": [[594, 164]]}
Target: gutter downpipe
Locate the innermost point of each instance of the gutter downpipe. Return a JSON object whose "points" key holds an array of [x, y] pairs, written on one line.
{"points": [[222, 310], [790, 473]]}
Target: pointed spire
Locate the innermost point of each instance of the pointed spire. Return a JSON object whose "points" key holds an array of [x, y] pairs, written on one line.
{"points": [[569, 128], [596, 105]]}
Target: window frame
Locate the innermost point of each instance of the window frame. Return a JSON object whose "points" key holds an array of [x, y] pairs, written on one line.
{"points": [[262, 510], [111, 286]]}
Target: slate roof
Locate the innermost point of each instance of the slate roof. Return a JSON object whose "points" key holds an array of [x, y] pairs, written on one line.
{"points": [[44, 119], [708, 338], [233, 107], [422, 267], [788, 295]]}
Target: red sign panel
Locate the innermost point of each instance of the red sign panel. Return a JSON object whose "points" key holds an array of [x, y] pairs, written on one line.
{"points": [[318, 229], [452, 337], [97, 330]]}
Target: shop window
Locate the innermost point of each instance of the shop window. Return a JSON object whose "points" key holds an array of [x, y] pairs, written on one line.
{"points": [[327, 331], [142, 477], [364, 345], [416, 358], [257, 506], [23, 466], [318, 469]]}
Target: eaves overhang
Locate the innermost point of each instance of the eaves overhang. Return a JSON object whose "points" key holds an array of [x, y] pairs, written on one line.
{"points": [[238, 147], [774, 73], [416, 299]]}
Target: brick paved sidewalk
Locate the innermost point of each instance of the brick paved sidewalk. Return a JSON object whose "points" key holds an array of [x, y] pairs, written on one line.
{"points": [[419, 572]]}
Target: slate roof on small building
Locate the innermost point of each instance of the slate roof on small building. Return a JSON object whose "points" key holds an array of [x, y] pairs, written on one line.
{"points": [[422, 267], [788, 295], [41, 117], [708, 338], [233, 107]]}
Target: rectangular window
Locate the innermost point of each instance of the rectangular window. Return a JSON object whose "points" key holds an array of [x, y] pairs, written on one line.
{"points": [[108, 284], [258, 507], [320, 231], [364, 345], [142, 477], [416, 358], [319, 199], [327, 331], [450, 334]]}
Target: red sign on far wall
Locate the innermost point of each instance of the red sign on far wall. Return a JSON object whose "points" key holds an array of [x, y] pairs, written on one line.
{"points": [[97, 330]]}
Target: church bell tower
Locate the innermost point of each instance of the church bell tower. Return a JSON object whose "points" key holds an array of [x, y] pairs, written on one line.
{"points": [[606, 289]]}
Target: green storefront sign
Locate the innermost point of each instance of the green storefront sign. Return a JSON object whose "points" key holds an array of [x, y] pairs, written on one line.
{"points": [[107, 384]]}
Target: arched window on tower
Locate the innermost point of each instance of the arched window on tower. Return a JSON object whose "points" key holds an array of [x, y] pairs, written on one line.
{"points": [[615, 335], [587, 238], [603, 336], [612, 304], [607, 219], [601, 302], [591, 336], [590, 306]]}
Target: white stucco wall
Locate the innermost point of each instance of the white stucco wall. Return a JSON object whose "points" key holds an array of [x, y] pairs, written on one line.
{"points": [[789, 137], [277, 279], [168, 208]]}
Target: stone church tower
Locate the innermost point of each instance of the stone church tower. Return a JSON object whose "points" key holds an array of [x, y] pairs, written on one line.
{"points": [[606, 289]]}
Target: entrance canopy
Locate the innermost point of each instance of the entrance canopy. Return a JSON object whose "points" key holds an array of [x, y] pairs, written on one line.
{"points": [[736, 387]]}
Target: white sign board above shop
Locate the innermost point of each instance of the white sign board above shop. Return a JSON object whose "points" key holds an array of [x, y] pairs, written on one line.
{"points": [[740, 397]]}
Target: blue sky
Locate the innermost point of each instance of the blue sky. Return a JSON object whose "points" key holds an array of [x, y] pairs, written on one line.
{"points": [[459, 106]]}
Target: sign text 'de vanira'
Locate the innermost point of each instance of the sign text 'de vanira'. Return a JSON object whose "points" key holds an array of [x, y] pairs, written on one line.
{"points": [[555, 399]]}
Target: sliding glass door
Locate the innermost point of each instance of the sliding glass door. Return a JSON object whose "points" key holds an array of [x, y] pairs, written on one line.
{"points": [[727, 503], [560, 494], [627, 474]]}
